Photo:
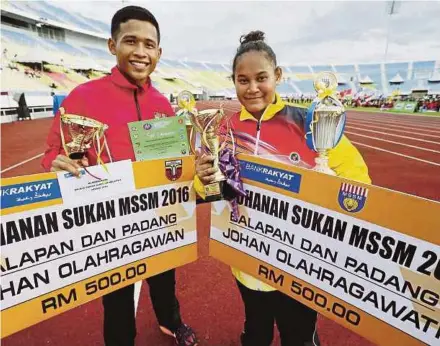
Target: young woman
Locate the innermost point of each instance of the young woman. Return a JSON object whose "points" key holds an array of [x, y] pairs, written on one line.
{"points": [[268, 127]]}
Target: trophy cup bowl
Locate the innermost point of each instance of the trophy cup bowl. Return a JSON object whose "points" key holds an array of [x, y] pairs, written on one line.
{"points": [[325, 121], [78, 134], [207, 123]]}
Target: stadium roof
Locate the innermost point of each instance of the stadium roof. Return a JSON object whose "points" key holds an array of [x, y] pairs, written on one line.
{"points": [[435, 77], [397, 79], [341, 79], [37, 56], [366, 80], [43, 13]]}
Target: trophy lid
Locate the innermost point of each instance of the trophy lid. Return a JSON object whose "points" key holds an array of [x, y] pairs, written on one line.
{"points": [[325, 82], [185, 100]]}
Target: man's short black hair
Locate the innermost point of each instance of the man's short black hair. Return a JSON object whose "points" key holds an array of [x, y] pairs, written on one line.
{"points": [[133, 12]]}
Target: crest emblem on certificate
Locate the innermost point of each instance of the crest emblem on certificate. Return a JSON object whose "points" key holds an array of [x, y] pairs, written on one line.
{"points": [[352, 198], [294, 157], [173, 169]]}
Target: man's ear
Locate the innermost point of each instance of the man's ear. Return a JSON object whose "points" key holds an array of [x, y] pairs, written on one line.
{"points": [[111, 46], [159, 53], [278, 74]]}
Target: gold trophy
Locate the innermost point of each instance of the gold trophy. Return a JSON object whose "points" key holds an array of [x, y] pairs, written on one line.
{"points": [[186, 103], [325, 120], [79, 133], [207, 124]]}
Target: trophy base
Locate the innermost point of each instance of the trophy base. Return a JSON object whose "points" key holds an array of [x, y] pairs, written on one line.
{"points": [[322, 166], [76, 156], [215, 191], [325, 170]]}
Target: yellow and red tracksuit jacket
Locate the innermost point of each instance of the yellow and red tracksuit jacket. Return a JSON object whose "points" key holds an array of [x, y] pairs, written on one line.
{"points": [[280, 136]]}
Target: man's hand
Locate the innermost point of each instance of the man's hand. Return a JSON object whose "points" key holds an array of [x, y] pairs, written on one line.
{"points": [[204, 169], [63, 163]]}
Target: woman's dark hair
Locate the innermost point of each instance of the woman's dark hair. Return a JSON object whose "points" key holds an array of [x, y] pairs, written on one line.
{"points": [[133, 12], [254, 41]]}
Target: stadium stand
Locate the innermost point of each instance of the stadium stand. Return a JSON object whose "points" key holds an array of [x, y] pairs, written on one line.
{"points": [[370, 74], [422, 69], [47, 49], [299, 69], [322, 68]]}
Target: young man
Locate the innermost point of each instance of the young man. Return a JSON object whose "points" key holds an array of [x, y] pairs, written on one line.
{"points": [[125, 96]]}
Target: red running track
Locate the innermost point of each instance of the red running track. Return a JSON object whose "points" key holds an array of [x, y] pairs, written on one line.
{"points": [[211, 304]]}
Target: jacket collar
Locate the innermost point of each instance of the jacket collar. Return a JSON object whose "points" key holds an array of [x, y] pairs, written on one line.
{"points": [[120, 80], [269, 112]]}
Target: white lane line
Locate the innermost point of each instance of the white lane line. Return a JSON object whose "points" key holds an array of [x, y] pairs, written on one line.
{"points": [[22, 163], [351, 122], [137, 293], [394, 153], [393, 142], [393, 135], [400, 121], [399, 116], [392, 125], [435, 121], [410, 124], [423, 116]]}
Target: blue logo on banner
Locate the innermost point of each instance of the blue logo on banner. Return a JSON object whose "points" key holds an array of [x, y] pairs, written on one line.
{"points": [[352, 198], [27, 193], [271, 176]]}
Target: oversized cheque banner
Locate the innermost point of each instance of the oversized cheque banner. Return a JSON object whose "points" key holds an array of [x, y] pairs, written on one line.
{"points": [[366, 257], [59, 250]]}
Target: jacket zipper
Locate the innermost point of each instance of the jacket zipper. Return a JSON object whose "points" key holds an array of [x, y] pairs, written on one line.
{"points": [[138, 109], [258, 137]]}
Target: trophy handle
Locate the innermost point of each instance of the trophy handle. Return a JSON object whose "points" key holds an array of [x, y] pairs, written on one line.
{"points": [[192, 140], [212, 141], [195, 121]]}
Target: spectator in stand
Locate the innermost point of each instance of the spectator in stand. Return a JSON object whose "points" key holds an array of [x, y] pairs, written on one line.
{"points": [[5, 58], [432, 105], [12, 63], [29, 72], [22, 110]]}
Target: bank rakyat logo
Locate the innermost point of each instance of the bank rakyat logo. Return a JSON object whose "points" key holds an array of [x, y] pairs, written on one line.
{"points": [[352, 198], [27, 193], [271, 176]]}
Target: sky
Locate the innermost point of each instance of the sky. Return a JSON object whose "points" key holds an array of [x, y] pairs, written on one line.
{"points": [[300, 32]]}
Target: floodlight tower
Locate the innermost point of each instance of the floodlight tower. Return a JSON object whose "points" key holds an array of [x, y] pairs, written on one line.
{"points": [[392, 7]]}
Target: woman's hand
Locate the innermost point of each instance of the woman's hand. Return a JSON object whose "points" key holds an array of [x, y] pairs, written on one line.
{"points": [[63, 163], [204, 169]]}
